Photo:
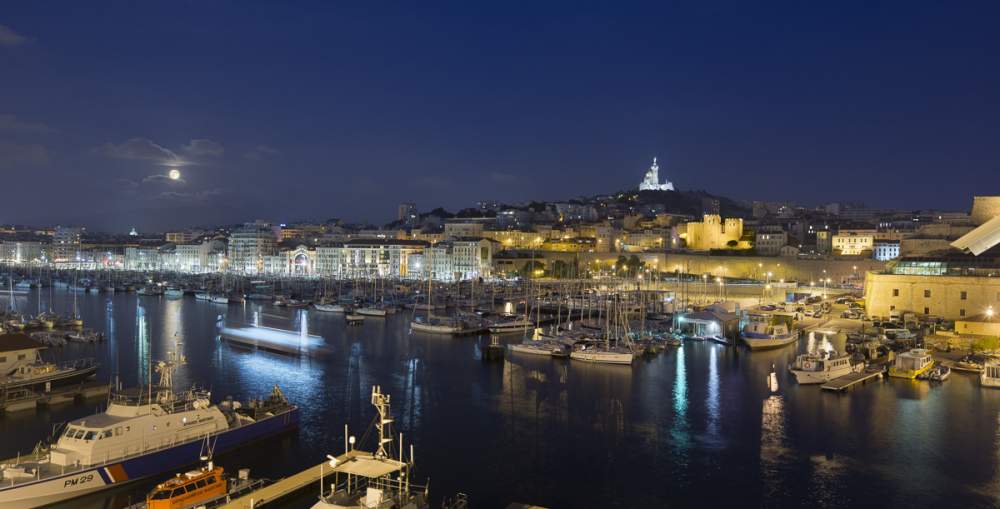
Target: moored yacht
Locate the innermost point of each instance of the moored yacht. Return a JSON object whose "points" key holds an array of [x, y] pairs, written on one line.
{"points": [[764, 331], [603, 354], [990, 377], [819, 367]]}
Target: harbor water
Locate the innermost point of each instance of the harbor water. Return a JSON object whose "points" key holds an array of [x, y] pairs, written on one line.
{"points": [[694, 426]]}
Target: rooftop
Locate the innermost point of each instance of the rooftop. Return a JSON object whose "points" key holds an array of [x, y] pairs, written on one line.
{"points": [[18, 341]]}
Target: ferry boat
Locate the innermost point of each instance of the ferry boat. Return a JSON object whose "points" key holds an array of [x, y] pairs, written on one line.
{"points": [[814, 368], [140, 434], [373, 480], [911, 364], [21, 365], [768, 331], [990, 377]]}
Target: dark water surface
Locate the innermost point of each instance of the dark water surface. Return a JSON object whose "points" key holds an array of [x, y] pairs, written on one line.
{"points": [[693, 427]]}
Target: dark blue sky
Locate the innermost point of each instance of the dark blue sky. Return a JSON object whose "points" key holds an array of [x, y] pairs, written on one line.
{"points": [[286, 110]]}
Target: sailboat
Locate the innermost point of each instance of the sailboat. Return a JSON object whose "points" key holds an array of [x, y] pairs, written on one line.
{"points": [[620, 352], [430, 323]]}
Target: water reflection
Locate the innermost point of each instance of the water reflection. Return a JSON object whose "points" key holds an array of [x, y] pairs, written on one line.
{"points": [[712, 402], [680, 431], [142, 345], [774, 452]]}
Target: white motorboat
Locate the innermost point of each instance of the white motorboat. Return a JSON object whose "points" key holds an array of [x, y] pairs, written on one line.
{"points": [[603, 354], [173, 293], [990, 377], [437, 326], [764, 331], [203, 296], [328, 308], [219, 298], [376, 312], [539, 347], [820, 367]]}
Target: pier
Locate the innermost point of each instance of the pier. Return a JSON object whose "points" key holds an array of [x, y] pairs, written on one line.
{"points": [[280, 489], [850, 380], [25, 399]]}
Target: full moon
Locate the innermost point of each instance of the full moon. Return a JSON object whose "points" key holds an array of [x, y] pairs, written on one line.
{"points": [[174, 174]]}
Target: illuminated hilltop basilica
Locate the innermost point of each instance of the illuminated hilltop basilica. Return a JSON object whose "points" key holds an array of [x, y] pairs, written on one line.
{"points": [[652, 180]]}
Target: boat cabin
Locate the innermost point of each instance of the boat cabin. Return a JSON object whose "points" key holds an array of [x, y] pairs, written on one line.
{"points": [[188, 490], [17, 351]]}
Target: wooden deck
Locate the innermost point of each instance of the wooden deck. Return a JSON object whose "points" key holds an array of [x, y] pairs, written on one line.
{"points": [[275, 491], [850, 380]]}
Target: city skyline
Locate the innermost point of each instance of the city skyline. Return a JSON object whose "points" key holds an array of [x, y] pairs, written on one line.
{"points": [[338, 112]]}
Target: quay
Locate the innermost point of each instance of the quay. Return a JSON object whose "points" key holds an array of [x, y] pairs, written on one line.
{"points": [[289, 485], [25, 399], [850, 380]]}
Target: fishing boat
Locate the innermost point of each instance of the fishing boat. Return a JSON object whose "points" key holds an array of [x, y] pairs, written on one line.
{"points": [[373, 480], [822, 366], [990, 377], [911, 364], [764, 331], [141, 434]]}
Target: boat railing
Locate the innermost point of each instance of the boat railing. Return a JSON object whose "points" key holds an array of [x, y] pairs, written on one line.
{"points": [[358, 484]]}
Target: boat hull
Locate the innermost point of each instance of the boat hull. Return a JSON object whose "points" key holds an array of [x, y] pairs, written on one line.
{"points": [[601, 357], [105, 476], [434, 329], [762, 342], [58, 379]]}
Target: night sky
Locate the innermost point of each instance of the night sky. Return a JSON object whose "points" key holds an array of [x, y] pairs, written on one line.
{"points": [[286, 111]]}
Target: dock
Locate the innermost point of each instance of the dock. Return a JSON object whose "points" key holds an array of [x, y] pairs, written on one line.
{"points": [[26, 399], [850, 380], [280, 489]]}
